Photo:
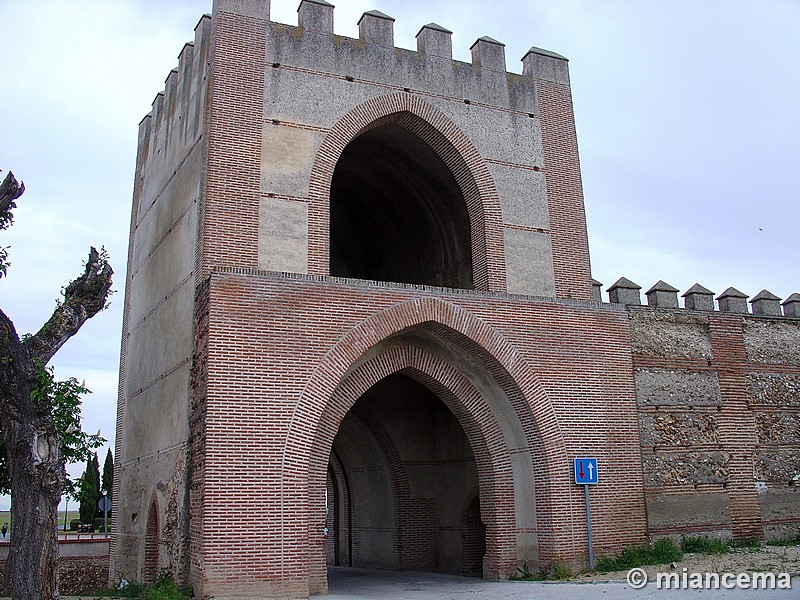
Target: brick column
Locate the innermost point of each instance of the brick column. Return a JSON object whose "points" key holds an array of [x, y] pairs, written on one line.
{"points": [[234, 117], [568, 231], [737, 425]]}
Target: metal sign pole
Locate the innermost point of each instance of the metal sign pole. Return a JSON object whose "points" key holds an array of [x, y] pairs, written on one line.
{"points": [[585, 470], [589, 528], [104, 504]]}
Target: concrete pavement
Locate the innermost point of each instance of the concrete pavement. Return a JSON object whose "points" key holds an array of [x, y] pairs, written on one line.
{"points": [[360, 584]]}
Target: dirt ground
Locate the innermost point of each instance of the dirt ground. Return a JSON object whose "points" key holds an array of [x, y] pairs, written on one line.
{"points": [[775, 559]]}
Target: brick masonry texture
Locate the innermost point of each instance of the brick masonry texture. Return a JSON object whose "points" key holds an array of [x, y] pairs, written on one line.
{"points": [[564, 191], [235, 381], [270, 332]]}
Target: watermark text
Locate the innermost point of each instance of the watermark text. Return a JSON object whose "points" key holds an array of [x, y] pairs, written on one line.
{"points": [[686, 580]]}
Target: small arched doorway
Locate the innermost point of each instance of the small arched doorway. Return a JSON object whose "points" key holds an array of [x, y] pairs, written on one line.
{"points": [[151, 546], [397, 213]]}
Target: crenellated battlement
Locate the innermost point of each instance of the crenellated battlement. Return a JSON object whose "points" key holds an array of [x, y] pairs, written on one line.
{"points": [[175, 121], [376, 32], [663, 295], [377, 29]]}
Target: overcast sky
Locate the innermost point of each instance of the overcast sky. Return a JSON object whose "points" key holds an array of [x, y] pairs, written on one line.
{"points": [[688, 117]]}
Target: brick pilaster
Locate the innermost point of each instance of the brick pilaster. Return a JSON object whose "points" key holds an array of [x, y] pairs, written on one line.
{"points": [[234, 114], [736, 424], [568, 232]]}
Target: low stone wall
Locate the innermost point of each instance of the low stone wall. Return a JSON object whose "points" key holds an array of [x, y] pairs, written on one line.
{"points": [[83, 564], [719, 418]]}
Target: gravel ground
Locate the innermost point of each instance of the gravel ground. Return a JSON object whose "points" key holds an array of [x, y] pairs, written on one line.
{"points": [[775, 559]]}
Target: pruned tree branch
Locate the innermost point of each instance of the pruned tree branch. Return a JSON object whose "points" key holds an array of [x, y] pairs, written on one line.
{"points": [[10, 190], [83, 298]]}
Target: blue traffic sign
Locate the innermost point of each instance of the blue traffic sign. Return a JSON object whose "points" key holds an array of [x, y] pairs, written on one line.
{"points": [[585, 470]]}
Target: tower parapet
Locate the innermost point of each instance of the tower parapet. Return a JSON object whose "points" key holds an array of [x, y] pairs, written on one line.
{"points": [[791, 306], [315, 15], [435, 40], [375, 27], [662, 295], [175, 121], [699, 298], [624, 291]]}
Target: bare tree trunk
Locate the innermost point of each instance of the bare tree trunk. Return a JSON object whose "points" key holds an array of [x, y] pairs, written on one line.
{"points": [[35, 464], [37, 476]]}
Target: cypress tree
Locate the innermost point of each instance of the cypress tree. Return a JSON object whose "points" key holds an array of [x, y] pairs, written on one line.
{"points": [[108, 477], [90, 490]]}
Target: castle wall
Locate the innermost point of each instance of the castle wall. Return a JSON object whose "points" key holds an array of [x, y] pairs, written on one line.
{"points": [[241, 357], [152, 418], [718, 397]]}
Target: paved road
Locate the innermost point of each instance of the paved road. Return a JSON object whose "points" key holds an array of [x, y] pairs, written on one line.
{"points": [[360, 584]]}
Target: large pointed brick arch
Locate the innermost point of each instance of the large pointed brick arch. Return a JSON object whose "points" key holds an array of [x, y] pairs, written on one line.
{"points": [[354, 364], [456, 151]]}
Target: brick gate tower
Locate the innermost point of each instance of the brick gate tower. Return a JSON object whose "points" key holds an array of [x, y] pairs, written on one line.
{"points": [[360, 328]]}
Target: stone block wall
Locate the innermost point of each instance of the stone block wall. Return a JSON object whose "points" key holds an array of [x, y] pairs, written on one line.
{"points": [[719, 416], [773, 390]]}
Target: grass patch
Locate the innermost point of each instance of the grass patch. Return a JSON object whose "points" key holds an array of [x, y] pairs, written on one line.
{"points": [[704, 545], [752, 543], [795, 541], [164, 588], [662, 552]]}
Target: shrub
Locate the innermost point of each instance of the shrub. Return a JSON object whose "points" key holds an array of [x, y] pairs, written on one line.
{"points": [[560, 570], [524, 574], [74, 524], [164, 588]]}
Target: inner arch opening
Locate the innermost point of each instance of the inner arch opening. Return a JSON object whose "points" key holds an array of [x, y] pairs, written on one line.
{"points": [[397, 214], [403, 485]]}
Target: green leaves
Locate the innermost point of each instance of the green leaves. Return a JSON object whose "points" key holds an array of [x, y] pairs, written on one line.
{"points": [[63, 398]]}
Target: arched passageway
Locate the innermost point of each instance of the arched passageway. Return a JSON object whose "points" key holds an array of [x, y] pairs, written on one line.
{"points": [[397, 213], [497, 402], [401, 474]]}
